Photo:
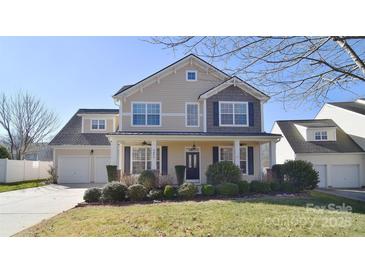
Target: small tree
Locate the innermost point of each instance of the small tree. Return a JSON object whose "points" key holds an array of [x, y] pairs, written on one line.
{"points": [[4, 153], [300, 173]]}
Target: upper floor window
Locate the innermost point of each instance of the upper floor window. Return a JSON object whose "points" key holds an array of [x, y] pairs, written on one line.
{"points": [[146, 114], [97, 124], [320, 135], [191, 75], [192, 114], [233, 114]]}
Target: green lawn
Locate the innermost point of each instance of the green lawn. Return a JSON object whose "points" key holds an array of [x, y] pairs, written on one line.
{"points": [[273, 216], [21, 185]]}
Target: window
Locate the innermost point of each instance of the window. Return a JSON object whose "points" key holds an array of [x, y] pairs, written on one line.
{"points": [[320, 135], [142, 160], [233, 113], [191, 75], [146, 114], [98, 124], [192, 115], [226, 154]]}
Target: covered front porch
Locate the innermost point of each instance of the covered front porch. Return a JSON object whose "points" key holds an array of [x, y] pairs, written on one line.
{"points": [[133, 153]]}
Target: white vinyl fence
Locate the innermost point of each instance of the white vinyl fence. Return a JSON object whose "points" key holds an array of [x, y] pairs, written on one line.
{"points": [[22, 170]]}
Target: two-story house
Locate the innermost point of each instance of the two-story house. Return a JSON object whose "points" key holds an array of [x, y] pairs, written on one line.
{"points": [[189, 113]]}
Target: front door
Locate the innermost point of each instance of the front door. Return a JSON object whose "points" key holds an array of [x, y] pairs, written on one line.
{"points": [[192, 165]]}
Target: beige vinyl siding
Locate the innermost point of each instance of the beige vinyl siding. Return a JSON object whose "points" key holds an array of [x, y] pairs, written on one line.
{"points": [[173, 91], [109, 125], [176, 156]]}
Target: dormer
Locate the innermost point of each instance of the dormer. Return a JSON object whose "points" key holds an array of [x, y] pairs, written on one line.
{"points": [[98, 121], [316, 131]]}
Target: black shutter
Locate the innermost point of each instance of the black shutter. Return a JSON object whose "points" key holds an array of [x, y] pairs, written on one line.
{"points": [[250, 160], [215, 114], [127, 160], [250, 114], [215, 155], [164, 167]]}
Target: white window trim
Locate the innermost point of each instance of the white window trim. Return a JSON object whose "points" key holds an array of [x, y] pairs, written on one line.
{"points": [[196, 75], [146, 103], [233, 102], [219, 156], [321, 135], [98, 129], [131, 160], [186, 114]]}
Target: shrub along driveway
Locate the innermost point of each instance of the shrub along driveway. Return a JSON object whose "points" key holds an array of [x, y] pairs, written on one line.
{"points": [[20, 209], [267, 216]]}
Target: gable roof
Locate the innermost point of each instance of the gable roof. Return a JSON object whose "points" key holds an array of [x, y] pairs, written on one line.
{"points": [[343, 143], [128, 88], [71, 134], [236, 82], [351, 106]]}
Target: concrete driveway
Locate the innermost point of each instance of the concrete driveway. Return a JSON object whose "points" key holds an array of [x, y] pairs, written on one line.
{"points": [[20, 209], [355, 194]]}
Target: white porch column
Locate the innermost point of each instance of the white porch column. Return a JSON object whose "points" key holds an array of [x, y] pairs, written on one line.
{"points": [[113, 152], [272, 152], [237, 152], [154, 155]]}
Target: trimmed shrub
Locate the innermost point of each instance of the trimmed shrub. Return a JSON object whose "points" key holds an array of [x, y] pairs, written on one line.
{"points": [[277, 172], [148, 179], [92, 195], [301, 174], [180, 174], [287, 187], [259, 187], [155, 194], [275, 186], [137, 192], [187, 190], [4, 153], [169, 192], [208, 190], [227, 189], [112, 173], [223, 172], [243, 187], [114, 192]]}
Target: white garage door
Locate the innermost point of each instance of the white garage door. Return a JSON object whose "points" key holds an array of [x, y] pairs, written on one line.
{"points": [[100, 169], [344, 176], [73, 169], [322, 173]]}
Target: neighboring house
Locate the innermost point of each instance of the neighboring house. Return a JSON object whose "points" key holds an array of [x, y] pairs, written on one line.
{"points": [[338, 159], [189, 113], [39, 152]]}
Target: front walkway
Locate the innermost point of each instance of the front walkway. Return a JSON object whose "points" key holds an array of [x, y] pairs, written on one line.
{"points": [[20, 209], [354, 194]]}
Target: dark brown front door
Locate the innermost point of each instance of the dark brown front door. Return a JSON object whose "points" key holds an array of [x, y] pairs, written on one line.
{"points": [[192, 165]]}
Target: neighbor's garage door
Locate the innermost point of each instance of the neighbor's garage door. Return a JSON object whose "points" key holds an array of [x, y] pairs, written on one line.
{"points": [[100, 169], [322, 174], [73, 169], [344, 176]]}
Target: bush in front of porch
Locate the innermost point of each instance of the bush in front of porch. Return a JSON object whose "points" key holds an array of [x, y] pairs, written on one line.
{"points": [[223, 172]]}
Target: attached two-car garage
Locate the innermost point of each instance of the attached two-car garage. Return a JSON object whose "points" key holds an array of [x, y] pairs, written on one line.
{"points": [[337, 170], [82, 166]]}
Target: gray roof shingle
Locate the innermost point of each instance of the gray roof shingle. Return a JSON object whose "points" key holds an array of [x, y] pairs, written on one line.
{"points": [[194, 133], [71, 134], [352, 106], [343, 143]]}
